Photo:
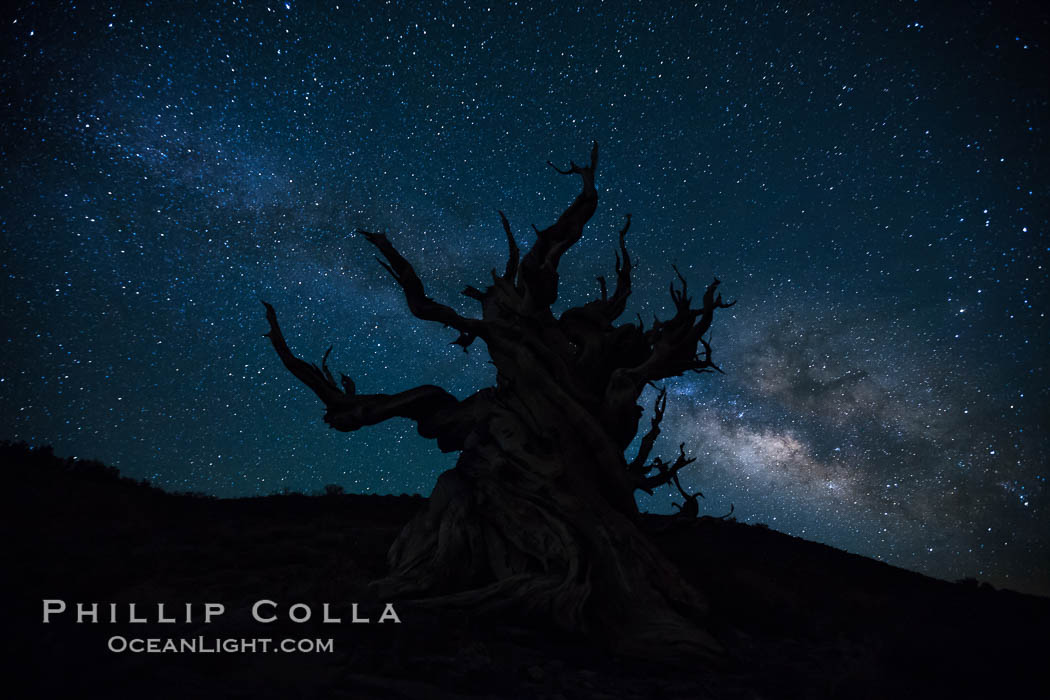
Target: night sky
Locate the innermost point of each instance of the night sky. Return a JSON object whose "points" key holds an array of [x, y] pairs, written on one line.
{"points": [[870, 185]]}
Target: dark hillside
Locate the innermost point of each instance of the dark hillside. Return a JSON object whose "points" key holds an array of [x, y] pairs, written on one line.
{"points": [[799, 619]]}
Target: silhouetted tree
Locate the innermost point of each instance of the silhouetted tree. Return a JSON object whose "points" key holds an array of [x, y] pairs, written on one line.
{"points": [[539, 511]]}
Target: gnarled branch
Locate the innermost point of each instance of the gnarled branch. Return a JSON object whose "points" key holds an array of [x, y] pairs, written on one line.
{"points": [[539, 268], [670, 350], [637, 465], [665, 473], [513, 252], [437, 413], [419, 303], [690, 507], [674, 342], [320, 381], [616, 304]]}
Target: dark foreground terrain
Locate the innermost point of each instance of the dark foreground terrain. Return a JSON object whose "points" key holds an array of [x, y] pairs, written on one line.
{"points": [[799, 620]]}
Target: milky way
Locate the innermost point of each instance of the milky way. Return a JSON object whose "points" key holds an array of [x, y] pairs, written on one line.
{"points": [[865, 182]]}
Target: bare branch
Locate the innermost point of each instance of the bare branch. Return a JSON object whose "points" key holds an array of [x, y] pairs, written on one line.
{"points": [[637, 465], [539, 267], [573, 168], [473, 292], [602, 289], [439, 414], [731, 509], [464, 340], [419, 303], [324, 365], [618, 302], [672, 348], [512, 245], [678, 483], [704, 364], [320, 382], [680, 298], [587, 171], [421, 403], [690, 507], [665, 473], [674, 342]]}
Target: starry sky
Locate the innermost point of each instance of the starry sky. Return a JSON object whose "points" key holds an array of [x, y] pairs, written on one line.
{"points": [[870, 185]]}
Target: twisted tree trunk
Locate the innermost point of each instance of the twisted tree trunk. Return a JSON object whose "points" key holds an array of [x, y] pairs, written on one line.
{"points": [[539, 511]]}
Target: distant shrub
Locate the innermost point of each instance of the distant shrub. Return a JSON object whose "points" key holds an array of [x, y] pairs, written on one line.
{"points": [[973, 584], [334, 490], [285, 491], [195, 494]]}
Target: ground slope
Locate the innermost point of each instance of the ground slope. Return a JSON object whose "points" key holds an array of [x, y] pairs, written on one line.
{"points": [[798, 619]]}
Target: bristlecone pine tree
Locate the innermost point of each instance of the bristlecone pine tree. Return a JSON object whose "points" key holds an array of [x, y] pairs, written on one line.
{"points": [[539, 511]]}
